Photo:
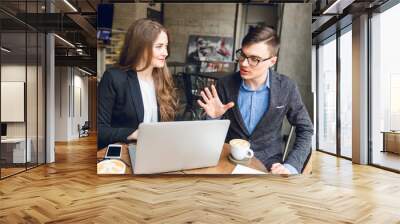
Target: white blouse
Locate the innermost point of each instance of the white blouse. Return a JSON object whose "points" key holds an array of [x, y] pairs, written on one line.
{"points": [[149, 101]]}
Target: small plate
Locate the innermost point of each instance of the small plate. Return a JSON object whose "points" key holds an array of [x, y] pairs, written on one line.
{"points": [[111, 166]]}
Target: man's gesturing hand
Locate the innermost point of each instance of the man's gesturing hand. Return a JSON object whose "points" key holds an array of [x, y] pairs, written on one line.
{"points": [[212, 104]]}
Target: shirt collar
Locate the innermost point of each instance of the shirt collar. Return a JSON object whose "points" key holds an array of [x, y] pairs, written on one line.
{"points": [[263, 87]]}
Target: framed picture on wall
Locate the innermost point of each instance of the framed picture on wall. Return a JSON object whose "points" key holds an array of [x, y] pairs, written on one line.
{"points": [[209, 48]]}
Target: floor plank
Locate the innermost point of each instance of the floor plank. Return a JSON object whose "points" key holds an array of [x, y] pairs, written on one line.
{"points": [[69, 191]]}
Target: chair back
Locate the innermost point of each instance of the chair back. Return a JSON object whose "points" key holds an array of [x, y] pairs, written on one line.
{"points": [[307, 168]]}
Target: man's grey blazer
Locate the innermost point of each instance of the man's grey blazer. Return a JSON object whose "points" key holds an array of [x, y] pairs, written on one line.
{"points": [[266, 139]]}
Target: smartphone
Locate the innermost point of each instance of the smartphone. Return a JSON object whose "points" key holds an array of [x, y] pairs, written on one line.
{"points": [[113, 152]]}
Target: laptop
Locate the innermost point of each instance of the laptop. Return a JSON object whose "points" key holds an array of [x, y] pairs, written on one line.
{"points": [[173, 146]]}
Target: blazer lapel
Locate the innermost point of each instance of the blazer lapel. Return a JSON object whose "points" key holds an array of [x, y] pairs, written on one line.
{"points": [[234, 92], [136, 94]]}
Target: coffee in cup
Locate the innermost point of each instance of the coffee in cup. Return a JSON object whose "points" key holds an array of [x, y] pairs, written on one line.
{"points": [[240, 149]]}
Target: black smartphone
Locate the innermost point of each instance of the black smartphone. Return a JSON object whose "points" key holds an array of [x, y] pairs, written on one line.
{"points": [[113, 152]]}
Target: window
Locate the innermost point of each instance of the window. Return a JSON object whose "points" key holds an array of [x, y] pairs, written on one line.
{"points": [[22, 66], [327, 96], [346, 93], [385, 88]]}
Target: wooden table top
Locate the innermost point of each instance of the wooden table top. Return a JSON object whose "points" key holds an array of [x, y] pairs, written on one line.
{"points": [[224, 165]]}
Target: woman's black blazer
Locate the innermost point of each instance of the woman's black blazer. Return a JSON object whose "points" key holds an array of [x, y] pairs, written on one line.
{"points": [[120, 106]]}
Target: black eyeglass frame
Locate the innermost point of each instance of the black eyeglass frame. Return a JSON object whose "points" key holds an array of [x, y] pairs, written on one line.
{"points": [[239, 53]]}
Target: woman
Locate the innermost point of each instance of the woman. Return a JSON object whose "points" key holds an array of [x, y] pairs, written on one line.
{"points": [[139, 88]]}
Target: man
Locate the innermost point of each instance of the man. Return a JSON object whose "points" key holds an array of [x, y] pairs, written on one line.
{"points": [[263, 98]]}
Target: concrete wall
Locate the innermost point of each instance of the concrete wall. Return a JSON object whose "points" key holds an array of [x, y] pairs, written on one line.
{"points": [[61, 103], [71, 102], [182, 20], [295, 53], [126, 13], [261, 13]]}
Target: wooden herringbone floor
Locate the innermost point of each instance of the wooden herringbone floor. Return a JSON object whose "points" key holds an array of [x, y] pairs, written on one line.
{"points": [[69, 191]]}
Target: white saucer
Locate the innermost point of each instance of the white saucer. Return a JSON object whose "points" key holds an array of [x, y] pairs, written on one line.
{"points": [[235, 161]]}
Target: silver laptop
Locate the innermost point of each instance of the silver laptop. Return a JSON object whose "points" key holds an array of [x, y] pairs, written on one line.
{"points": [[172, 146]]}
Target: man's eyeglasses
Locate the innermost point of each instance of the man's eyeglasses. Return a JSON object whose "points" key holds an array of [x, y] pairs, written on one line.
{"points": [[252, 60]]}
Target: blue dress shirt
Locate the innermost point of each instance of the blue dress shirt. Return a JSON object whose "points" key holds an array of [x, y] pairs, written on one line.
{"points": [[253, 104]]}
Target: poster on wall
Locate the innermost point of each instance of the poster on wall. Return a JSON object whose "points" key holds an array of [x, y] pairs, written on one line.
{"points": [[209, 48]]}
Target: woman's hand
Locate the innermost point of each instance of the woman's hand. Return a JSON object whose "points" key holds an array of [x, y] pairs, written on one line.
{"points": [[212, 104]]}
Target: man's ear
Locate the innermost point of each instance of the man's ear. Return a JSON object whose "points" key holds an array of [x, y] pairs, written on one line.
{"points": [[273, 60]]}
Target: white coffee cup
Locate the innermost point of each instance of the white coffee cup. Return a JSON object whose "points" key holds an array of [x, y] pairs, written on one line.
{"points": [[240, 149]]}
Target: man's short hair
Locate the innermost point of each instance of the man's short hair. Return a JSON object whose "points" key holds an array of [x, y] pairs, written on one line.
{"points": [[262, 33]]}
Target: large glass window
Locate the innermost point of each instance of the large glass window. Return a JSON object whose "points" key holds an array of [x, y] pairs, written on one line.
{"points": [[346, 93], [327, 96], [22, 89], [385, 88], [14, 153]]}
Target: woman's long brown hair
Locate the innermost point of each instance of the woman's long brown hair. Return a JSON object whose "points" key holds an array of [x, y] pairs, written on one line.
{"points": [[138, 47]]}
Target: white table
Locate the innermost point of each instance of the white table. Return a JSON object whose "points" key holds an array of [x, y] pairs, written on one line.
{"points": [[18, 149]]}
